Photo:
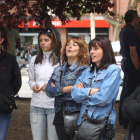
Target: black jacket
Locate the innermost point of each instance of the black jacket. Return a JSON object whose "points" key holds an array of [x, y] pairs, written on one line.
{"points": [[131, 106], [10, 77], [131, 111]]}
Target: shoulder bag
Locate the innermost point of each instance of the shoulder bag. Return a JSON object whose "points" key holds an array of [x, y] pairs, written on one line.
{"points": [[70, 119], [7, 104], [94, 129]]}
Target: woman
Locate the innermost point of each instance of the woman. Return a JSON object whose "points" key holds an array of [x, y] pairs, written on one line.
{"points": [[98, 86], [10, 79], [75, 59], [40, 70]]}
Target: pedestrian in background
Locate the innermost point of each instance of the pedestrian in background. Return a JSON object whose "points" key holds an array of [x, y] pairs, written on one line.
{"points": [[130, 60], [26, 56], [97, 88], [75, 59], [48, 25], [13, 35], [40, 70], [10, 79]]}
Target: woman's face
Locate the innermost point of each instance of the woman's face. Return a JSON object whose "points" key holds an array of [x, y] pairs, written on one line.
{"points": [[72, 49], [96, 54], [45, 43]]}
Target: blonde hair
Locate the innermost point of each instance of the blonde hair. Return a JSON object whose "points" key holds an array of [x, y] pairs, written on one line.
{"points": [[83, 56]]}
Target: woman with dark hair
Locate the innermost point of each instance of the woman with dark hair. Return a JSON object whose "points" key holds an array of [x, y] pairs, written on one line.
{"points": [[98, 86], [75, 59], [40, 70], [10, 79]]}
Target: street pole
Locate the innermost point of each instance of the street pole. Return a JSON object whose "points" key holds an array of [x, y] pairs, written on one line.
{"points": [[92, 25]]}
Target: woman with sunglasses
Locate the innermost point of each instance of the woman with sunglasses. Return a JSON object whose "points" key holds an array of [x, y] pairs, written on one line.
{"points": [[97, 88], [40, 70], [75, 59]]}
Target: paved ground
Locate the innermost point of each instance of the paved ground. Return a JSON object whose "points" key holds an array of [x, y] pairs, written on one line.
{"points": [[19, 128]]}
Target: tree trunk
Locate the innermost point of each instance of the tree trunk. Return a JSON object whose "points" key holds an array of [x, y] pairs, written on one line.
{"points": [[92, 25], [116, 33]]}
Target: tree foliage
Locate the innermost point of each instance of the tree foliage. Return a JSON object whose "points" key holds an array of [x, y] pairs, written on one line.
{"points": [[64, 9]]}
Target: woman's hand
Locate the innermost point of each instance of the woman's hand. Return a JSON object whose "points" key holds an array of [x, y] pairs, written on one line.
{"points": [[66, 89], [36, 89], [43, 87], [80, 85], [93, 91], [53, 85]]}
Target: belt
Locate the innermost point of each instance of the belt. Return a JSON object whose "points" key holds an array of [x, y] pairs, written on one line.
{"points": [[126, 58]]}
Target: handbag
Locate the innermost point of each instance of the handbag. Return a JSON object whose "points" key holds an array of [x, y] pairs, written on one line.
{"points": [[7, 104], [70, 121], [94, 129]]}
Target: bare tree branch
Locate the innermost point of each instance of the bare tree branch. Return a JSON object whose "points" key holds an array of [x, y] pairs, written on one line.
{"points": [[109, 19], [129, 4]]}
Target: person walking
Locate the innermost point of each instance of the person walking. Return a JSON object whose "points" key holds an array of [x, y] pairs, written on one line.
{"points": [[40, 70], [10, 79], [130, 60], [97, 88], [75, 59], [27, 56]]}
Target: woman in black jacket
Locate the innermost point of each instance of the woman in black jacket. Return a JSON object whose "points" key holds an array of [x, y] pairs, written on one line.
{"points": [[10, 79]]}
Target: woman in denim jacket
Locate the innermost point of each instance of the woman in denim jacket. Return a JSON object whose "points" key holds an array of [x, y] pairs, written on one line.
{"points": [[98, 86], [75, 58]]}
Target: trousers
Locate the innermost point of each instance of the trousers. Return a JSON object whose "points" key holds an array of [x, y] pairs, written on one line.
{"points": [[130, 83], [41, 122], [4, 123]]}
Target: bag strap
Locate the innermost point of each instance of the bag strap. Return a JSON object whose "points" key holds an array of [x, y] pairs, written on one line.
{"points": [[60, 85], [86, 111]]}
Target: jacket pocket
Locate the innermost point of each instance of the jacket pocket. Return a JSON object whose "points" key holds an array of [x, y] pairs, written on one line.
{"points": [[70, 79], [98, 81]]}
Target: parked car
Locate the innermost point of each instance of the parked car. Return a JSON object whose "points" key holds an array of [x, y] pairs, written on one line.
{"points": [[118, 57]]}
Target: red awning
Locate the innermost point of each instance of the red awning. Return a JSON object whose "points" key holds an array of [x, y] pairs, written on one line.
{"points": [[73, 24]]}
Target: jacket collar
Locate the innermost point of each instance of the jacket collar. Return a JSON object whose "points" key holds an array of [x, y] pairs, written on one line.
{"points": [[95, 73], [46, 55], [72, 67]]}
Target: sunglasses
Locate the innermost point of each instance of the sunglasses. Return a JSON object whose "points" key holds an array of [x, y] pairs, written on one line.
{"points": [[43, 31]]}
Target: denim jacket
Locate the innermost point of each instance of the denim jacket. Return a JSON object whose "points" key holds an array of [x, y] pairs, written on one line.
{"points": [[101, 103], [68, 78]]}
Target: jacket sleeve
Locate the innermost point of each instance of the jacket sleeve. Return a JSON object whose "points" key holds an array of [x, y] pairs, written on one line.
{"points": [[131, 106], [16, 77], [32, 80], [53, 91], [107, 91]]}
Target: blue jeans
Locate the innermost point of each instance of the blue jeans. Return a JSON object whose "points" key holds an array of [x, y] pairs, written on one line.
{"points": [[41, 120], [4, 123]]}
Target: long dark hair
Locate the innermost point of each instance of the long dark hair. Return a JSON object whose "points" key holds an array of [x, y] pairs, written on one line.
{"points": [[55, 55], [108, 54], [4, 35]]}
